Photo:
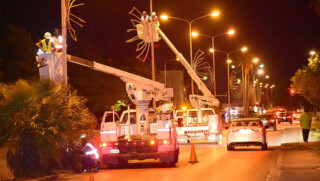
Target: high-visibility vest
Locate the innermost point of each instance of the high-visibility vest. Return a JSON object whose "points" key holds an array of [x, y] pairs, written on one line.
{"points": [[44, 46]]}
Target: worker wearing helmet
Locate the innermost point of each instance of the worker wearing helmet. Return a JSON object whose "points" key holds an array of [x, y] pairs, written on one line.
{"points": [[45, 45]]}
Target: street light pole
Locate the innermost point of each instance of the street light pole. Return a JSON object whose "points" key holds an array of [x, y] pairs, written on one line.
{"points": [[152, 55], [64, 41], [214, 69], [165, 71], [191, 58], [229, 105]]}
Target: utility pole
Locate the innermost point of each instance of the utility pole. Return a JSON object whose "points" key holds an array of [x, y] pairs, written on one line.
{"points": [[64, 41], [152, 54]]}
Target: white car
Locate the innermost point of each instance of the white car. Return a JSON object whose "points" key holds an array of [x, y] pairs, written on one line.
{"points": [[246, 132]]}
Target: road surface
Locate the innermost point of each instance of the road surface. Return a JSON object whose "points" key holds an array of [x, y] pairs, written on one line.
{"points": [[215, 163]]}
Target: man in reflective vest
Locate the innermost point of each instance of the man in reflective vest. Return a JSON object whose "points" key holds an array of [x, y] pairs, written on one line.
{"points": [[305, 122], [45, 45]]}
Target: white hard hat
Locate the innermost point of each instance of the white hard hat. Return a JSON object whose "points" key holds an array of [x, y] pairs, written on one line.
{"points": [[47, 35]]}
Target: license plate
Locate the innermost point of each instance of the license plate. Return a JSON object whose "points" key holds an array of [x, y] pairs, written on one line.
{"points": [[245, 131], [114, 151]]}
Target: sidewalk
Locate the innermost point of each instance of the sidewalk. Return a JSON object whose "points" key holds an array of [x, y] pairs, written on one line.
{"points": [[297, 161]]}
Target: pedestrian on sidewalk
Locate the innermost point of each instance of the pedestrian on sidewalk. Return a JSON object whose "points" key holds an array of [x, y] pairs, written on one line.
{"points": [[305, 122]]}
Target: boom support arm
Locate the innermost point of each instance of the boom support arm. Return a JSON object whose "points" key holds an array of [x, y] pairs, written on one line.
{"points": [[196, 100], [138, 88]]}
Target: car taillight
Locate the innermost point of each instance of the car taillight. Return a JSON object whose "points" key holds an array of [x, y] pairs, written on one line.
{"points": [[232, 130], [257, 129]]}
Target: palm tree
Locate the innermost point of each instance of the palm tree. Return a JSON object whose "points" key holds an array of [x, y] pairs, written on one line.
{"points": [[43, 120]]}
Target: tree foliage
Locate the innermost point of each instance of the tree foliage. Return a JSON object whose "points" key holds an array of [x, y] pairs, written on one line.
{"points": [[43, 120], [306, 81]]}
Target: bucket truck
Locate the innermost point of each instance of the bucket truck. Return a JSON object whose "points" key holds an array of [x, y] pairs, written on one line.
{"points": [[201, 123], [136, 136]]}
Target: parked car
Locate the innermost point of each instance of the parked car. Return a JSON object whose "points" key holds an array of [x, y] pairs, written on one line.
{"points": [[296, 115], [268, 119], [246, 132]]}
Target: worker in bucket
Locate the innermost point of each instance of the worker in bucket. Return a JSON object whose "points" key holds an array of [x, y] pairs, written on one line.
{"points": [[57, 40], [46, 47], [145, 18]]}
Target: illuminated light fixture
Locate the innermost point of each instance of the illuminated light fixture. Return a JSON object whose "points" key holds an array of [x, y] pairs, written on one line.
{"points": [[184, 108], [104, 144], [260, 83], [165, 142], [239, 81], [244, 49], [205, 77], [257, 80], [211, 50], [194, 34], [177, 58], [152, 142], [255, 60], [260, 71], [231, 32], [312, 52], [233, 66], [261, 65], [215, 13], [229, 61], [164, 17], [267, 76]]}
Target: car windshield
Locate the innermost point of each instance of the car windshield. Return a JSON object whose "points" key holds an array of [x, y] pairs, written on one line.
{"points": [[245, 123]]}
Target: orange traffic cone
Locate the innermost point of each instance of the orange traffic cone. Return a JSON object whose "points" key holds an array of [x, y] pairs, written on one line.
{"points": [[193, 156]]}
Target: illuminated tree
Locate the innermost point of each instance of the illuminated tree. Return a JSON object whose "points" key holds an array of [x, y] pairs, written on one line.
{"points": [[306, 81]]}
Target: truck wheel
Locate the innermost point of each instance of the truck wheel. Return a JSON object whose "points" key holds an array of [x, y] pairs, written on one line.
{"points": [[230, 148], [264, 146]]}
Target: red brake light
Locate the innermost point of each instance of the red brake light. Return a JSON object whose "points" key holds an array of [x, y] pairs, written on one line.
{"points": [[257, 129]]}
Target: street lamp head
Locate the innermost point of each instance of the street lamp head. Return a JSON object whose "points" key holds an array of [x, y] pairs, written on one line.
{"points": [[184, 108], [244, 49], [231, 32], [312, 52], [267, 76], [255, 60], [211, 50], [233, 66], [164, 17], [194, 34], [215, 13], [261, 65], [260, 71], [229, 61]]}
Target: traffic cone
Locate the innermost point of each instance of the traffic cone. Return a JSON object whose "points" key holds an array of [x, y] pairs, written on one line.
{"points": [[193, 156]]}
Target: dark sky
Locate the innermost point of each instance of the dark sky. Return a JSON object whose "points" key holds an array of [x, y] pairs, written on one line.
{"points": [[280, 33]]}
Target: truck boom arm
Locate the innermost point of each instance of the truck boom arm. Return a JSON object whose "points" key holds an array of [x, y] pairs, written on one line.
{"points": [[196, 100]]}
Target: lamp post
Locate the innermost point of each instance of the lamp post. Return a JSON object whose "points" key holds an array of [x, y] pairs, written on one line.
{"points": [[244, 49], [214, 14], [230, 32], [165, 71]]}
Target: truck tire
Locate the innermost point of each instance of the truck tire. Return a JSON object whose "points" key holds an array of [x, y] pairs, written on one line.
{"points": [[230, 148], [264, 146]]}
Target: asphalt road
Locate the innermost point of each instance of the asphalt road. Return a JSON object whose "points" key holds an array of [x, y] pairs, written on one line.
{"points": [[215, 163]]}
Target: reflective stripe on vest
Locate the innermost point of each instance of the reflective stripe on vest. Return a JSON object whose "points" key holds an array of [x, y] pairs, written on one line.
{"points": [[44, 46]]}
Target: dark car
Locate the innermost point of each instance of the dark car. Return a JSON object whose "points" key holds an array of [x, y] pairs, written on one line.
{"points": [[283, 116], [268, 119]]}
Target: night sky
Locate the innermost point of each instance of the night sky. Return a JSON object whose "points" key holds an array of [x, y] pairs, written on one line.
{"points": [[280, 33]]}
